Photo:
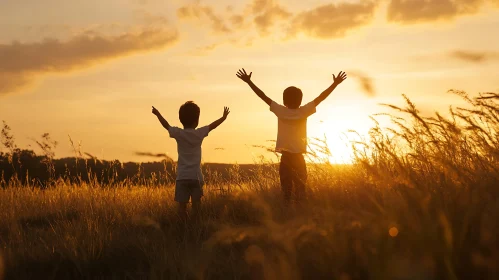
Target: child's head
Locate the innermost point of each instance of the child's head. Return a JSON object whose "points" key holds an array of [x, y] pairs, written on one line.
{"points": [[189, 114], [292, 97]]}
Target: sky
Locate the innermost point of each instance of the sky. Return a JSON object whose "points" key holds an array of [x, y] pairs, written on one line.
{"points": [[91, 70]]}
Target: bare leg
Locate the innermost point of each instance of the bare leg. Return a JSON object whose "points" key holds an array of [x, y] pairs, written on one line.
{"points": [[285, 176], [300, 180], [196, 205], [182, 210], [300, 189]]}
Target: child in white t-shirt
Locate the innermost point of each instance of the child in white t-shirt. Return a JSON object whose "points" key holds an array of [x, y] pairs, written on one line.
{"points": [[292, 133], [189, 183]]}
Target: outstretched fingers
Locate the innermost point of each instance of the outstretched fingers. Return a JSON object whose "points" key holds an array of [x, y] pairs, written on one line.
{"points": [[240, 74], [226, 111], [341, 76]]}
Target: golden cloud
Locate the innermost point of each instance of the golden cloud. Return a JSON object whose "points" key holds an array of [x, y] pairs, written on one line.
{"points": [[237, 21], [474, 56], [155, 155], [22, 63], [267, 13], [325, 21], [12, 82], [415, 11], [197, 11], [366, 83], [333, 20]]}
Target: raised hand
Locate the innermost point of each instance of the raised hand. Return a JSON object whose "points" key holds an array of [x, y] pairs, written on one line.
{"points": [[337, 80], [160, 118], [218, 122], [226, 112], [155, 111], [340, 78], [241, 74]]}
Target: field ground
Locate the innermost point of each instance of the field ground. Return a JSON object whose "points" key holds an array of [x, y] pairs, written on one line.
{"points": [[348, 228]]}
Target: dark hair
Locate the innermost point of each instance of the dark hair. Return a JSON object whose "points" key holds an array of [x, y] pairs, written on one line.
{"points": [[189, 114], [292, 97]]}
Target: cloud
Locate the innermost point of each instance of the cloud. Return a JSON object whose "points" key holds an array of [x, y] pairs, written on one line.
{"points": [[365, 82], [266, 14], [200, 51], [197, 11], [155, 155], [265, 17], [141, 2], [415, 11], [474, 56], [10, 82], [22, 63], [237, 21], [333, 20]]}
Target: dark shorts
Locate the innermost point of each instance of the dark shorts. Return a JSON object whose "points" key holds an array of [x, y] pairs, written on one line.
{"points": [[188, 189]]}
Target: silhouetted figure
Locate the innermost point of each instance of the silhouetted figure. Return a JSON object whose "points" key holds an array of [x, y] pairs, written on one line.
{"points": [[189, 183], [292, 132]]}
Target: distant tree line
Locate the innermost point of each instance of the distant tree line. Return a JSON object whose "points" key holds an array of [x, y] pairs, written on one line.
{"points": [[25, 167]]}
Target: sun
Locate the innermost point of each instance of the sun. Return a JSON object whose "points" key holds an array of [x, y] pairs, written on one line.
{"points": [[331, 147], [331, 133]]}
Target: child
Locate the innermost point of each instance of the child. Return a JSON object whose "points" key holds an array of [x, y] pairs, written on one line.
{"points": [[292, 133], [189, 183]]}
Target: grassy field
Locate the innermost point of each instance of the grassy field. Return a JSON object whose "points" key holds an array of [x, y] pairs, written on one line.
{"points": [[420, 202]]}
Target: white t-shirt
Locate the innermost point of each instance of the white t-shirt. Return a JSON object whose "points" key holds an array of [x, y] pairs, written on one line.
{"points": [[189, 151], [292, 127]]}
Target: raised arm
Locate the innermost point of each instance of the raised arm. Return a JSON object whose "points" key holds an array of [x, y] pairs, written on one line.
{"points": [[241, 74], [218, 122], [160, 118], [337, 80]]}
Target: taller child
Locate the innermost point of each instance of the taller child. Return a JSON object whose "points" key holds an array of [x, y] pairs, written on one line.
{"points": [[292, 132]]}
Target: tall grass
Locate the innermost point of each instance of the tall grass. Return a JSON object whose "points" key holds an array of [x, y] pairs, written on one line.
{"points": [[419, 202]]}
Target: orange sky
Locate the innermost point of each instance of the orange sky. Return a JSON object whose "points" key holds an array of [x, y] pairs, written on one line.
{"points": [[93, 69]]}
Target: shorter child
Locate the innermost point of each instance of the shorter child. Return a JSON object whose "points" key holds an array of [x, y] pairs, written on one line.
{"points": [[189, 183]]}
